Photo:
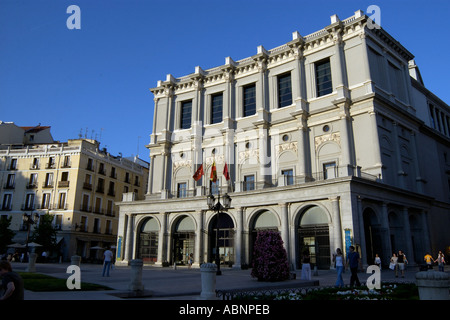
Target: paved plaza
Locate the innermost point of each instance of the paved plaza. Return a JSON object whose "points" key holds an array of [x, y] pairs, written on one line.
{"points": [[178, 284]]}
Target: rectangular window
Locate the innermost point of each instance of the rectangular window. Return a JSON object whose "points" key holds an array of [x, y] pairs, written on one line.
{"points": [[98, 205], [48, 180], [284, 90], [249, 183], [32, 183], [110, 208], [323, 78], [13, 165], [58, 221], [186, 114], [182, 190], [83, 224], [35, 164], [10, 181], [29, 201], [62, 200], [433, 122], [216, 108], [66, 163], [45, 201], [90, 165], [288, 176], [329, 170], [7, 201], [249, 100], [96, 225]]}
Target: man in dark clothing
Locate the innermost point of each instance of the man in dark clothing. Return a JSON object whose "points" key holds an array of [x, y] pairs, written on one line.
{"points": [[12, 283], [353, 260]]}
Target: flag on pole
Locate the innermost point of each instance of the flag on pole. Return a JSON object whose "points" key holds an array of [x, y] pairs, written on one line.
{"points": [[225, 172], [213, 172], [198, 174]]}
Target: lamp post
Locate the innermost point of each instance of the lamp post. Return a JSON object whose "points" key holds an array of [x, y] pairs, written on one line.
{"points": [[218, 207], [28, 220]]}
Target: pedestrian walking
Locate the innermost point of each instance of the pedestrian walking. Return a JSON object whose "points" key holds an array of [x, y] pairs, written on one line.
{"points": [[12, 283], [441, 261], [306, 266], [378, 261], [429, 260], [401, 262], [338, 259], [191, 260], [393, 263], [107, 260], [354, 260]]}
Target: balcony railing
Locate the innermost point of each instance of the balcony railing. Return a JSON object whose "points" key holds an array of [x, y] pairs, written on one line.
{"points": [[63, 184], [282, 181]]}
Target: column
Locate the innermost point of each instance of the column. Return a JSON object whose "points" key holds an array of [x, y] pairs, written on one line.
{"points": [[362, 233], [419, 180], [337, 225], [238, 237], [150, 175], [426, 233], [400, 172], [168, 92], [162, 254], [339, 79], [346, 169], [298, 74], [408, 251], [261, 107], [285, 227], [130, 237], [155, 118], [386, 232], [365, 62], [198, 257], [375, 140], [264, 160], [164, 189]]}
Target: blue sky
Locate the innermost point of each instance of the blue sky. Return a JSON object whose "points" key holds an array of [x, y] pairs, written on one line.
{"points": [[95, 81]]}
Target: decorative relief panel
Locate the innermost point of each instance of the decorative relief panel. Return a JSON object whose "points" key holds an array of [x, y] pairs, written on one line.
{"points": [[335, 136], [291, 146], [249, 154], [182, 163]]}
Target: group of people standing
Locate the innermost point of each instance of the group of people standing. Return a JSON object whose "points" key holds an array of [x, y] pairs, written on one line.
{"points": [[398, 263]]}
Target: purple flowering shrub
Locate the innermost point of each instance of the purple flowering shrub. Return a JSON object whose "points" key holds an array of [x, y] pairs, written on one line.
{"points": [[270, 261]]}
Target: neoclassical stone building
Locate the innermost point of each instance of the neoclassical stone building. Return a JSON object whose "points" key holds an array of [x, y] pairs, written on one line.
{"points": [[331, 139]]}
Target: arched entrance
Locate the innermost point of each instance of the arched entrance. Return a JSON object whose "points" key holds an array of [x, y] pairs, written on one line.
{"points": [[148, 241], [372, 231], [314, 236], [225, 240], [183, 240], [265, 220]]}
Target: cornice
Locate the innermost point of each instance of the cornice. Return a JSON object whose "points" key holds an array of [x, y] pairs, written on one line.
{"points": [[338, 31]]}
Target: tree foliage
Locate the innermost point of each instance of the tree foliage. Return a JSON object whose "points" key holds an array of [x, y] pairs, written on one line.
{"points": [[270, 261], [6, 234], [45, 233]]}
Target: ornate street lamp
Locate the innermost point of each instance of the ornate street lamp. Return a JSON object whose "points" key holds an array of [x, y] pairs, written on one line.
{"points": [[218, 207], [28, 220]]}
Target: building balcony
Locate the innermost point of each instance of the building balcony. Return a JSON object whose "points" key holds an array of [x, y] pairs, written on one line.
{"points": [[48, 185], [27, 207], [32, 185], [63, 184], [34, 167], [9, 186], [50, 165], [283, 181], [85, 208], [87, 186]]}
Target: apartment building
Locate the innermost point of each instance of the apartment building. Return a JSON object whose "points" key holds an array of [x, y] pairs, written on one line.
{"points": [[76, 182], [331, 139]]}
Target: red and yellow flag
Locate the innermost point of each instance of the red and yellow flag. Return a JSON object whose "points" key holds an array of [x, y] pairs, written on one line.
{"points": [[225, 172], [198, 174], [213, 172]]}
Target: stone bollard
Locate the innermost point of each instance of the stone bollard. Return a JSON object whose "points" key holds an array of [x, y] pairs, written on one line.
{"points": [[433, 285], [75, 260], [32, 262], [136, 275], [208, 272]]}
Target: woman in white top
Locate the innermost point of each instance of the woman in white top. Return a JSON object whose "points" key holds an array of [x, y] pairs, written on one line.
{"points": [[339, 261]]}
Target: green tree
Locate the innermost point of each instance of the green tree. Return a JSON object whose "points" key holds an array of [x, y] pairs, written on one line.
{"points": [[45, 233], [6, 234]]}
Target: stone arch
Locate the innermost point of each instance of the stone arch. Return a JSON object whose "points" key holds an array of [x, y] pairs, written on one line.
{"points": [[313, 235], [225, 239], [183, 229], [147, 239]]}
